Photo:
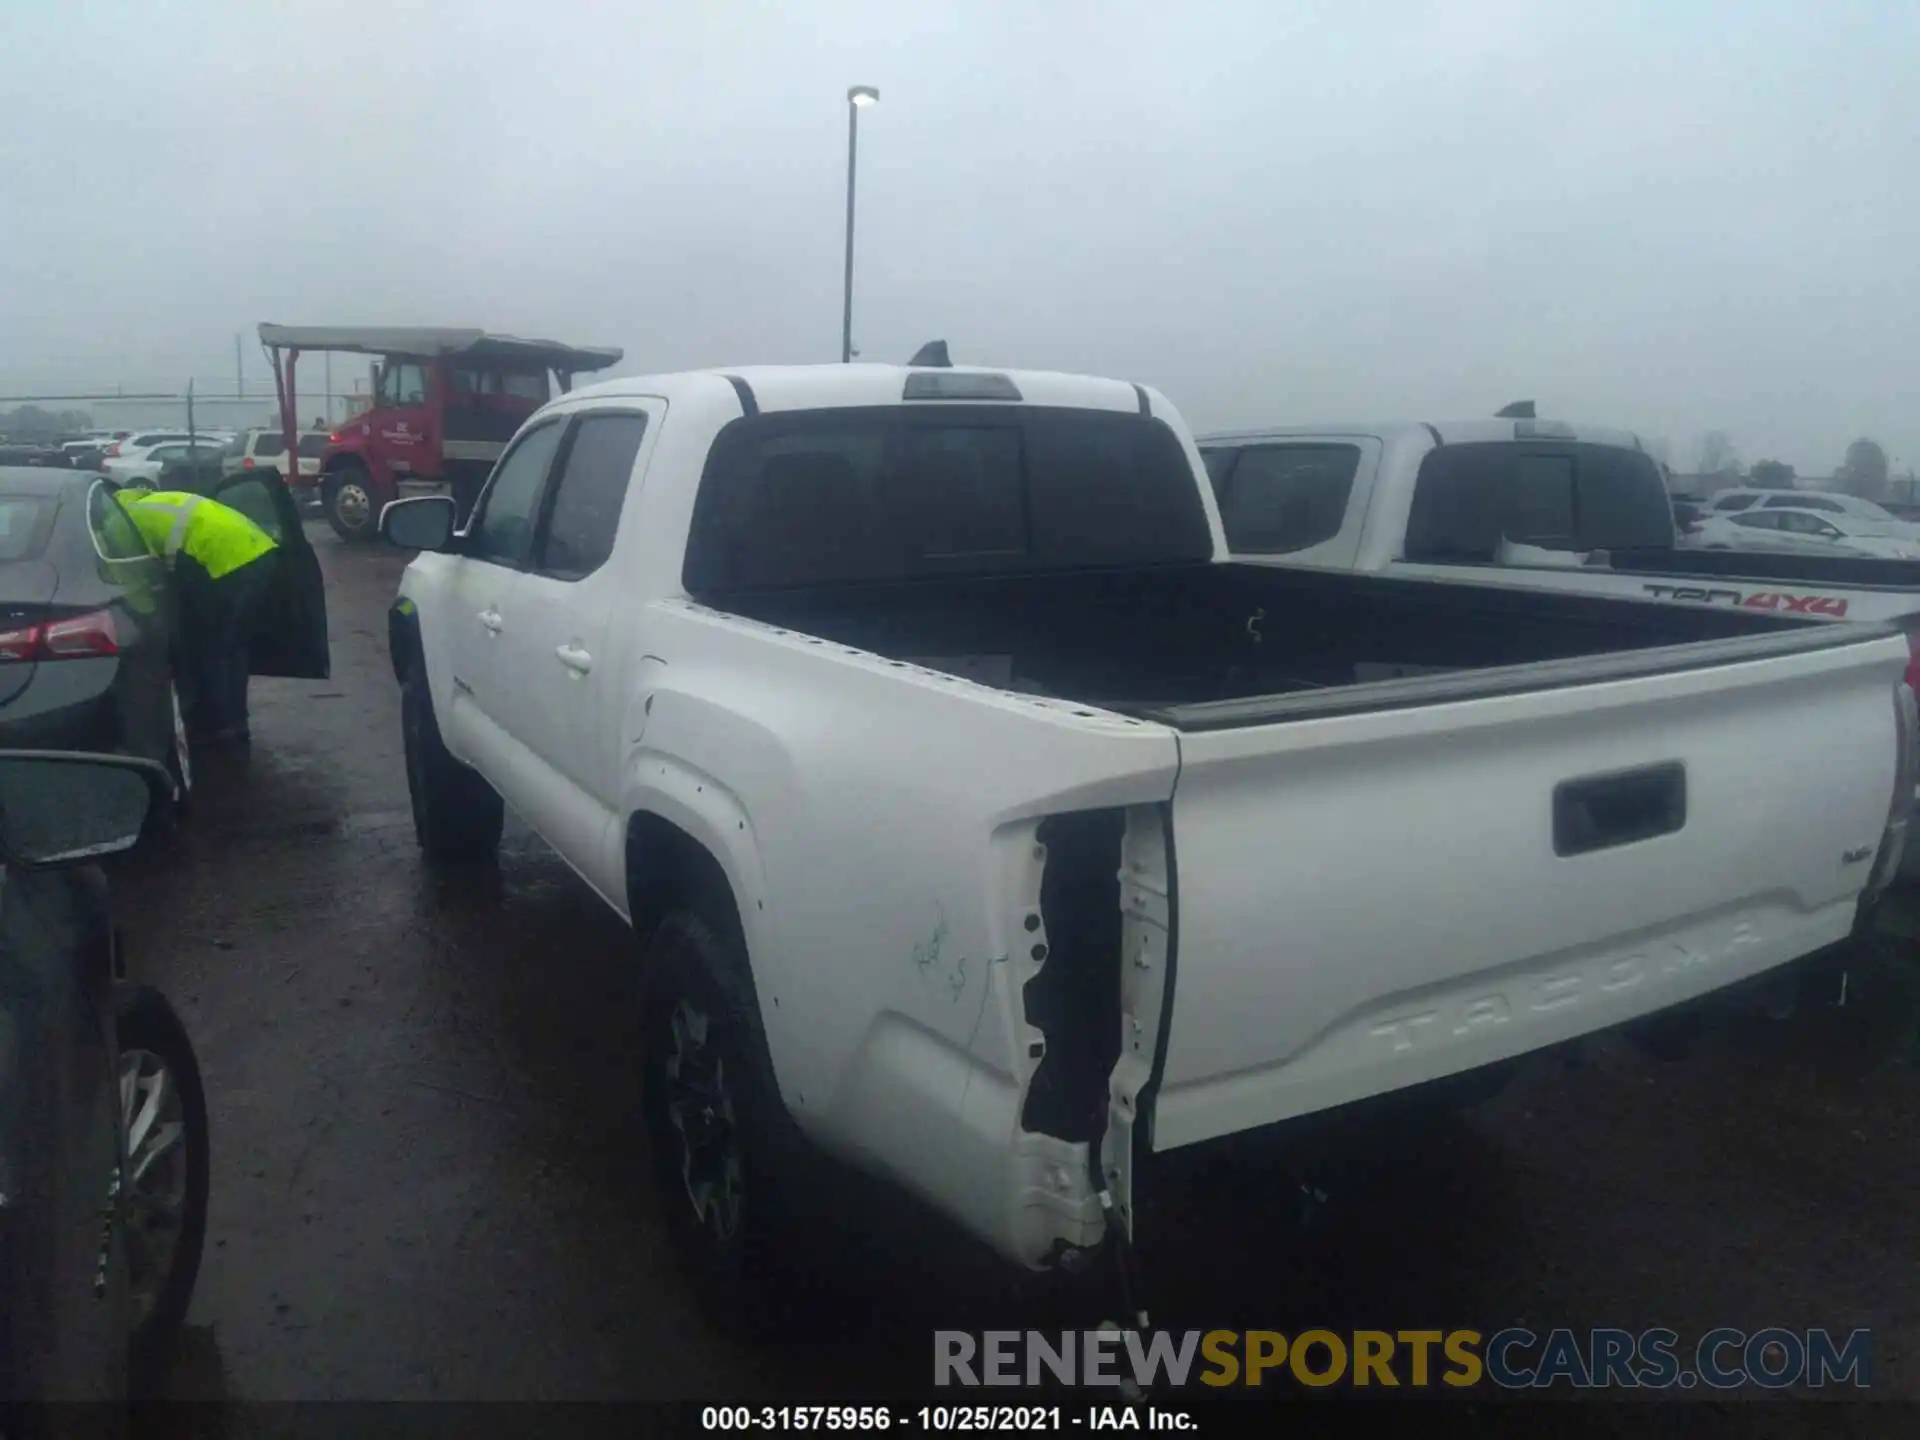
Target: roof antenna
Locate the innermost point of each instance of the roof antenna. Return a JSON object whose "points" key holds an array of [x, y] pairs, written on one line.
{"points": [[933, 353], [1518, 410]]}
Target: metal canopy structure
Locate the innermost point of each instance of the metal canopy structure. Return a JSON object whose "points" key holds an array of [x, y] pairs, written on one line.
{"points": [[286, 343], [434, 341]]}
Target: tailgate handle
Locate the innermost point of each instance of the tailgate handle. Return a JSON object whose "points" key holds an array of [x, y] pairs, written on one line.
{"points": [[1598, 812]]}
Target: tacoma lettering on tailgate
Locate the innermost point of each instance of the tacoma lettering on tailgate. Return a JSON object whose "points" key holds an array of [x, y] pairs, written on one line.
{"points": [[1457, 1018], [1831, 606]]}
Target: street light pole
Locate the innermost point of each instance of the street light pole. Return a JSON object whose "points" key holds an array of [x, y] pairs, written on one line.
{"points": [[858, 98]]}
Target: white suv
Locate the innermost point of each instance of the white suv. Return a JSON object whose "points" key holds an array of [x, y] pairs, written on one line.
{"points": [[267, 450]]}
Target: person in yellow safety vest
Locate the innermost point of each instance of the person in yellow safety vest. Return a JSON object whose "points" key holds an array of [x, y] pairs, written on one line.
{"points": [[221, 564]]}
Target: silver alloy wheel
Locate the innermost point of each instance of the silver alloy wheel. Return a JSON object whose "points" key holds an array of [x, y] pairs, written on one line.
{"points": [[182, 752], [154, 1197], [352, 504], [700, 1107]]}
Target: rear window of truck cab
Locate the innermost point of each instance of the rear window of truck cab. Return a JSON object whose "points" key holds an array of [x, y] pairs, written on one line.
{"points": [[906, 492], [1556, 496]]}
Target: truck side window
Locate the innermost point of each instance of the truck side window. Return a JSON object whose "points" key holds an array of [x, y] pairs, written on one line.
{"points": [[403, 383], [505, 528], [589, 491], [1285, 497]]}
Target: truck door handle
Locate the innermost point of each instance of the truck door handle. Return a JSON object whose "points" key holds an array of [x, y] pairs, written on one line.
{"points": [[574, 658], [1598, 812], [490, 618]]}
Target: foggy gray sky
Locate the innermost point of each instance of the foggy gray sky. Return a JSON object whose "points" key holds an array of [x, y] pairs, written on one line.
{"points": [[1674, 216]]}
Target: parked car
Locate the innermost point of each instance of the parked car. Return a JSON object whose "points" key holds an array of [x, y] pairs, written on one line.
{"points": [[267, 450], [146, 464], [1827, 502], [1806, 532], [31, 453], [103, 1134], [1118, 810], [89, 652]]}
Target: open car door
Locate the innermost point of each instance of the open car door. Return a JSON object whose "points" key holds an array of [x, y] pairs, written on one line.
{"points": [[290, 633]]}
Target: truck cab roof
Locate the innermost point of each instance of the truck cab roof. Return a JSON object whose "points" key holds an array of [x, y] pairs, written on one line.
{"points": [[1480, 431], [775, 388]]}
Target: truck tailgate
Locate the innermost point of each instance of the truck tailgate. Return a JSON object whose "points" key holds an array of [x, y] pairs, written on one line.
{"points": [[1369, 900]]}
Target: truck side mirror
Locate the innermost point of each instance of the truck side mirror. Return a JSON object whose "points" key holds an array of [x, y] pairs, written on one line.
{"points": [[424, 522]]}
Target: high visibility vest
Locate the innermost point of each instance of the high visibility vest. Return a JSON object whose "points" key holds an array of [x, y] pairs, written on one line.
{"points": [[217, 537]]}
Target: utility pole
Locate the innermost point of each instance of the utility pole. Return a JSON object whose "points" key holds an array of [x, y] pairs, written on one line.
{"points": [[239, 375], [329, 388], [191, 438], [858, 98]]}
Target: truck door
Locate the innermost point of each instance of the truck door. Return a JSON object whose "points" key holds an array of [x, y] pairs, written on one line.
{"points": [[558, 707], [482, 618], [400, 432]]}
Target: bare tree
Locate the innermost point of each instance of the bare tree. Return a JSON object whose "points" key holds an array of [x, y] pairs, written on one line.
{"points": [[1717, 454]]}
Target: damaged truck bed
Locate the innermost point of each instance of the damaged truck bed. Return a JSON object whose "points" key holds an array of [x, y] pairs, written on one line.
{"points": [[1030, 836]]}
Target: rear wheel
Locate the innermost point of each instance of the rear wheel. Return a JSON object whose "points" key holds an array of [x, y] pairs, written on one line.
{"points": [[167, 1164], [726, 1155], [347, 497], [179, 761], [166, 819], [457, 815]]}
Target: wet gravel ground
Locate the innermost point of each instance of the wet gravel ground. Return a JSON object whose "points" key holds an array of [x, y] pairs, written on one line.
{"points": [[430, 1180]]}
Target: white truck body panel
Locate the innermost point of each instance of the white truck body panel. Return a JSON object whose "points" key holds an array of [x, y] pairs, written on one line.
{"points": [[1292, 997], [878, 824]]}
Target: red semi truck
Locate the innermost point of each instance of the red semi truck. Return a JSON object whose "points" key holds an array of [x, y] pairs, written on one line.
{"points": [[445, 403]]}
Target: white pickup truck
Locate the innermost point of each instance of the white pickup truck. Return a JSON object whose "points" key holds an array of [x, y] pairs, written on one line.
{"points": [[996, 834], [1516, 502], [1526, 503]]}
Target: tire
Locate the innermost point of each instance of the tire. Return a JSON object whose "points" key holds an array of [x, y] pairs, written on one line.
{"points": [[167, 1166], [347, 497], [167, 817], [728, 1160], [179, 758], [457, 815]]}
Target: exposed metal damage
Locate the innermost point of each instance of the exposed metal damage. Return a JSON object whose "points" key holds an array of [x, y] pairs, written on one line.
{"points": [[1092, 970]]}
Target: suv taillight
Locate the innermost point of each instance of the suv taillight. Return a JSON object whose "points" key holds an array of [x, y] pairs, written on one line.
{"points": [[111, 452], [83, 637], [247, 464]]}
